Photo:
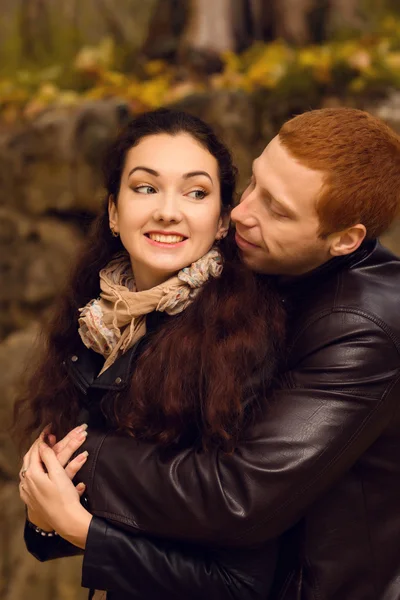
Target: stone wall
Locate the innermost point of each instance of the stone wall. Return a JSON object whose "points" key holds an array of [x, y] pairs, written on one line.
{"points": [[50, 189]]}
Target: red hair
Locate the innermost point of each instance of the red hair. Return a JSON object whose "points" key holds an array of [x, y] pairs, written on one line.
{"points": [[360, 156]]}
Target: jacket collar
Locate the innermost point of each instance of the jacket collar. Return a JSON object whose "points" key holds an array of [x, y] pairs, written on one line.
{"points": [[294, 285], [83, 365]]}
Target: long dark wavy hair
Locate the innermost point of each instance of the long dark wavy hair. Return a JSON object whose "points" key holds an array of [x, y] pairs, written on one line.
{"points": [[194, 375]]}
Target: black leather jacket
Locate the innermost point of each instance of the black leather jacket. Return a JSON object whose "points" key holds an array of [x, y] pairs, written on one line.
{"points": [[137, 567], [320, 469], [322, 465]]}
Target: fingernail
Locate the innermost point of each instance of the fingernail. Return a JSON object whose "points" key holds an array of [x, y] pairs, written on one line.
{"points": [[81, 486], [84, 455], [83, 435], [83, 427]]}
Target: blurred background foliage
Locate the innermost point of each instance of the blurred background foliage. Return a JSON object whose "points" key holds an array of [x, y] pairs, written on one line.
{"points": [[152, 53], [72, 72]]}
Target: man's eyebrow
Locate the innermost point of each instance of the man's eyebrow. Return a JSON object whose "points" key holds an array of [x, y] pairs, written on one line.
{"points": [[196, 173], [281, 203], [147, 169]]}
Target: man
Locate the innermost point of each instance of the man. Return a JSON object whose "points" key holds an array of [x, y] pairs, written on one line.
{"points": [[321, 469]]}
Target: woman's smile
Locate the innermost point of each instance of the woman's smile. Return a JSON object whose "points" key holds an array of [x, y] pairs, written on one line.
{"points": [[169, 195], [166, 239]]}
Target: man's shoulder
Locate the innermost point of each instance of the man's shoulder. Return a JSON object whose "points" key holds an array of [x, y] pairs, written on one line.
{"points": [[364, 297], [370, 287]]}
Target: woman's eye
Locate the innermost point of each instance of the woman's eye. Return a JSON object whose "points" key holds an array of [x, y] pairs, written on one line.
{"points": [[198, 194], [145, 189]]}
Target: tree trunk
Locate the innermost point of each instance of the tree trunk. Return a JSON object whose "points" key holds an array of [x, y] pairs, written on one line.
{"points": [[210, 26], [292, 20], [345, 14], [35, 29]]}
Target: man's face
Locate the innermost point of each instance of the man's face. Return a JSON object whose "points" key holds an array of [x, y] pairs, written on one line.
{"points": [[276, 221]]}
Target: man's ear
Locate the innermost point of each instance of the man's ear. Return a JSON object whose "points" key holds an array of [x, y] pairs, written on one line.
{"points": [[347, 241], [113, 213], [223, 225]]}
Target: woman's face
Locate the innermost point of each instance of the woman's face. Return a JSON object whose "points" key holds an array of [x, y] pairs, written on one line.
{"points": [[168, 210]]}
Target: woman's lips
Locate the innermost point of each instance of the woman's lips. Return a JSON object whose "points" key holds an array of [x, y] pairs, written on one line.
{"points": [[242, 243], [165, 244]]}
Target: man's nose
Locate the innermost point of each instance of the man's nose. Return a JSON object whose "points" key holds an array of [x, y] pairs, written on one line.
{"points": [[243, 213]]}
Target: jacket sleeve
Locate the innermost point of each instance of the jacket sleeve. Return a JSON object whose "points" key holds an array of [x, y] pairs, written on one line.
{"points": [[47, 548], [122, 562], [334, 401]]}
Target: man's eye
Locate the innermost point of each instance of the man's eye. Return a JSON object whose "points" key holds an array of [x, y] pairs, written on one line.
{"points": [[279, 215], [145, 189], [198, 194]]}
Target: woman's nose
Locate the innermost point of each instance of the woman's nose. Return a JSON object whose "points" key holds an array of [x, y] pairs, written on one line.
{"points": [[168, 209]]}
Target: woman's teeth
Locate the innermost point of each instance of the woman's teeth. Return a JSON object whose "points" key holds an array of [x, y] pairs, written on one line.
{"points": [[166, 239]]}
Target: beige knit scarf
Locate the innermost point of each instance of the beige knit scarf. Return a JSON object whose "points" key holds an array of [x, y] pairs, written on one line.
{"points": [[112, 323]]}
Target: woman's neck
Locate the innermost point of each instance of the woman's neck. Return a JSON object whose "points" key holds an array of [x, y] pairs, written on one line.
{"points": [[146, 279]]}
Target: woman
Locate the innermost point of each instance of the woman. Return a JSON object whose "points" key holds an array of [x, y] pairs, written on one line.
{"points": [[173, 345]]}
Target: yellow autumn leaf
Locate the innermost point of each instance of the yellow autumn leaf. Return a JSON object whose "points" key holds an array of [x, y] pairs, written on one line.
{"points": [[68, 98], [392, 60], [155, 67], [231, 61]]}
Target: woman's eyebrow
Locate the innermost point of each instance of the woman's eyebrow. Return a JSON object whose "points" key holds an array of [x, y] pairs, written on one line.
{"points": [[196, 173], [157, 174], [147, 169]]}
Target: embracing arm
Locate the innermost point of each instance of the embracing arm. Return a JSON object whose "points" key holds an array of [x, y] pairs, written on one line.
{"points": [[119, 561], [332, 404]]}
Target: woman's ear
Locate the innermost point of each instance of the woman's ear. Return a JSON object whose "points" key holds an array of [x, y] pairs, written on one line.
{"points": [[113, 214], [223, 225]]}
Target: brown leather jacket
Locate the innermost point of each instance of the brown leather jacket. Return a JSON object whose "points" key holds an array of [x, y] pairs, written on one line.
{"points": [[320, 469]]}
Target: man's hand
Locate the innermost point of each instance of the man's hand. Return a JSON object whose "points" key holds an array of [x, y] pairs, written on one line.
{"points": [[63, 451]]}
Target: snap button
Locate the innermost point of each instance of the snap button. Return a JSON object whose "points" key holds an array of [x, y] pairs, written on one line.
{"points": [[118, 380], [74, 358]]}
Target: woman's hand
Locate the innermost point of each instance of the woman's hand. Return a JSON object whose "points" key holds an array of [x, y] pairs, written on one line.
{"points": [[53, 497], [63, 450]]}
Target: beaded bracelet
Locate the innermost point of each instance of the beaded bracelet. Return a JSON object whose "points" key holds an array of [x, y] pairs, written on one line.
{"points": [[41, 531]]}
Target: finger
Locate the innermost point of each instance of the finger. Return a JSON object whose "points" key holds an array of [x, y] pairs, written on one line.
{"points": [[66, 447], [50, 460], [73, 433], [36, 466], [51, 440], [45, 431], [22, 493], [22, 474], [73, 445], [28, 459], [80, 488], [75, 465]]}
